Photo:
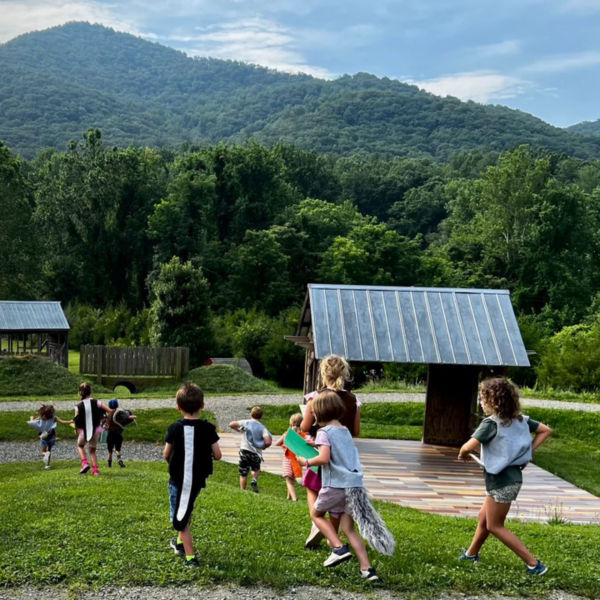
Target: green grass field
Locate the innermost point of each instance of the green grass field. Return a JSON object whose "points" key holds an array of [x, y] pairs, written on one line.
{"points": [[60, 527]]}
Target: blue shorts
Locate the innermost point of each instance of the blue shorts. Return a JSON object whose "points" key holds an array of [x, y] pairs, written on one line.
{"points": [[49, 444], [173, 490]]}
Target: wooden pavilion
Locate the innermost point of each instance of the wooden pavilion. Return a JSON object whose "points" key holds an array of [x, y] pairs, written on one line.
{"points": [[39, 328], [459, 333]]}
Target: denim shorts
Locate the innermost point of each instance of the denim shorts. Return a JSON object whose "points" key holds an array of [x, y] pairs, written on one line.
{"points": [[48, 443], [173, 490]]}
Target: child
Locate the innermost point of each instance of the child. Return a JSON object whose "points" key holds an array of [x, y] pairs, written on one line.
{"points": [[342, 494], [88, 415], [506, 447], [334, 372], [256, 437], [291, 466], [191, 444], [45, 425], [116, 420]]}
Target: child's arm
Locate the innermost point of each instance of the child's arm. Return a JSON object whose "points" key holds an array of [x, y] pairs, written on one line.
{"points": [[235, 425], [542, 433], [323, 458], [356, 425], [472, 445], [63, 422], [308, 420], [268, 439], [216, 451], [281, 440], [168, 450]]}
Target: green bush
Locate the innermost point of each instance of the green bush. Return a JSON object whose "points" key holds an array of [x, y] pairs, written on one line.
{"points": [[571, 359]]}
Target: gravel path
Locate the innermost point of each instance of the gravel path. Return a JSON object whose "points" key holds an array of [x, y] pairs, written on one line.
{"points": [[229, 408], [191, 592]]}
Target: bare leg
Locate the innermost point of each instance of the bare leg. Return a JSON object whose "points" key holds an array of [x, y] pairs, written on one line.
{"points": [[355, 541], [81, 450], [93, 457], [481, 533], [186, 538], [495, 516], [325, 527], [243, 482], [291, 488]]}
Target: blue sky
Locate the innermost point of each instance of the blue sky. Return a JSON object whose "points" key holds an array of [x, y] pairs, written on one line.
{"points": [[540, 56]]}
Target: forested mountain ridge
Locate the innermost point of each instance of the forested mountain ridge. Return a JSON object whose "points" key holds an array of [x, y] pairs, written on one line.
{"points": [[586, 128], [58, 82]]}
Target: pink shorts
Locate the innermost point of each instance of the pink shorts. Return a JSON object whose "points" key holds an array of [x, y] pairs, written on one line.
{"points": [[331, 500]]}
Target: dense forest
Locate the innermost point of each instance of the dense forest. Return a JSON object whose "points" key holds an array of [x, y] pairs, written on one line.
{"points": [[586, 128], [58, 82], [213, 247]]}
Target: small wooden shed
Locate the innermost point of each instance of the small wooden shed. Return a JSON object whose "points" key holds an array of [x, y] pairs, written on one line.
{"points": [[458, 333], [34, 328]]}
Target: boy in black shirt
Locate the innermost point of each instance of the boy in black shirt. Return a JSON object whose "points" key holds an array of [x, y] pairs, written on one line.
{"points": [[191, 445]]}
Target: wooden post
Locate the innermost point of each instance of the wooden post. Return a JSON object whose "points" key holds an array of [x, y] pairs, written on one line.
{"points": [[99, 365], [178, 363], [450, 403]]}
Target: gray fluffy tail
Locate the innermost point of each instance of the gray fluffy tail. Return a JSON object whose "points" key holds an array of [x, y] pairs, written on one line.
{"points": [[370, 524]]}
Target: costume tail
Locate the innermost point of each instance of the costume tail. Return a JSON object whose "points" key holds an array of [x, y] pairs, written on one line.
{"points": [[370, 524]]}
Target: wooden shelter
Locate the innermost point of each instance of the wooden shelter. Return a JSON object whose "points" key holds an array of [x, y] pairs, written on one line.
{"points": [[39, 328], [458, 333]]}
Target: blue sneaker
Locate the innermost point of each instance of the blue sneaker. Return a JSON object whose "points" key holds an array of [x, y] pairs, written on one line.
{"points": [[539, 569], [465, 556]]}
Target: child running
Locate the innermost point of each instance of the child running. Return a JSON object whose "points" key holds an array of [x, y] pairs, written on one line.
{"points": [[116, 421], [191, 444], [45, 425], [342, 494], [504, 437], [88, 415], [256, 437], [291, 467]]}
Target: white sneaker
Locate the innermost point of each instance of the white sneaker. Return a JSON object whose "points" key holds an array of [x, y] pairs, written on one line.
{"points": [[314, 537], [46, 459]]}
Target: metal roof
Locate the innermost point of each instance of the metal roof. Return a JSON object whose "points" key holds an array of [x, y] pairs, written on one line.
{"points": [[414, 325], [32, 316]]}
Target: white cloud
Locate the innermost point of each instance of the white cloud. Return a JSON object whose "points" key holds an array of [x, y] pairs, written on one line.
{"points": [[480, 86], [565, 62], [579, 6], [257, 41], [505, 48], [19, 17]]}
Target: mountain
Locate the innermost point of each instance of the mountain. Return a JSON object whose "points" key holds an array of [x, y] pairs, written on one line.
{"points": [[586, 128], [59, 82]]}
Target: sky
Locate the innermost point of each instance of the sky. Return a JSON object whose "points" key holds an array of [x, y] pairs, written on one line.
{"points": [[539, 56]]}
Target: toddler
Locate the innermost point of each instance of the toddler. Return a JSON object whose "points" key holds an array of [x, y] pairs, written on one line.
{"points": [[291, 467], [45, 425]]}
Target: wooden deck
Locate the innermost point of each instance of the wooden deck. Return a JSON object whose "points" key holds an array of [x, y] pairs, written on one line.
{"points": [[430, 479]]}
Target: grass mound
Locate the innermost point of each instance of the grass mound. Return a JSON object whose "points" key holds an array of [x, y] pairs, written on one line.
{"points": [[33, 375], [227, 379]]}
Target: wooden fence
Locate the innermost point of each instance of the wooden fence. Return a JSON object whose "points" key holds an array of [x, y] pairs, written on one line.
{"points": [[134, 361]]}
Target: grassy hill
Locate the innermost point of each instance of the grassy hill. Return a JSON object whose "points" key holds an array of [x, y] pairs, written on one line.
{"points": [[59, 82], [586, 128]]}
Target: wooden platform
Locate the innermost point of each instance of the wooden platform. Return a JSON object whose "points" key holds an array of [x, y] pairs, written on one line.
{"points": [[430, 479]]}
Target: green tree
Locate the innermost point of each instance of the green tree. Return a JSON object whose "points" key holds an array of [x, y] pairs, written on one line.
{"points": [[180, 309], [19, 252], [372, 255]]}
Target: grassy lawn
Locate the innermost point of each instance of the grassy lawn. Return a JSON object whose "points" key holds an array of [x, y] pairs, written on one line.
{"points": [[250, 539]]}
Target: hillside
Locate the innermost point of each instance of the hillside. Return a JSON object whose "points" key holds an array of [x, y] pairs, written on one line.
{"points": [[586, 128], [59, 82]]}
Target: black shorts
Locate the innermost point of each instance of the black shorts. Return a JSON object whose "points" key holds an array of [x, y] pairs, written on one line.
{"points": [[114, 440], [249, 461]]}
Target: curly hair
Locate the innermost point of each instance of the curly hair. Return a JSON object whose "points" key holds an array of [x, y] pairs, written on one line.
{"points": [[502, 396], [334, 371], [46, 412]]}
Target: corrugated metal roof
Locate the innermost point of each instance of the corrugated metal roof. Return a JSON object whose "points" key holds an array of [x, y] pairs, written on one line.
{"points": [[415, 325], [32, 316]]}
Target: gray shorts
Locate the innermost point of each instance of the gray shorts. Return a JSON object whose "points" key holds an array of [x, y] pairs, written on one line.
{"points": [[331, 500], [506, 494]]}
